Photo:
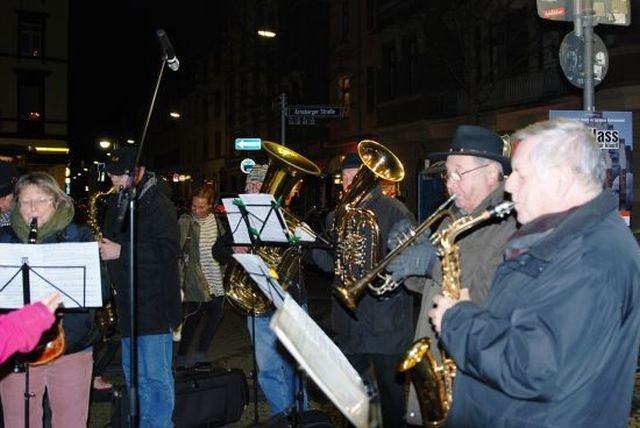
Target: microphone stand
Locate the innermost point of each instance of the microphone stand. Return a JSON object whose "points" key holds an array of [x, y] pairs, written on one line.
{"points": [[131, 196]]}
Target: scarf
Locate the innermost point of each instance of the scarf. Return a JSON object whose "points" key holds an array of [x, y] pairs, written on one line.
{"points": [[60, 219]]}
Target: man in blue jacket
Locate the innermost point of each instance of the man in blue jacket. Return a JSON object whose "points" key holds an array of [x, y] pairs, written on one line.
{"points": [[555, 344]]}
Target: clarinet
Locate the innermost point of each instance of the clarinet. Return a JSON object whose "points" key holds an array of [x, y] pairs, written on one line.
{"points": [[52, 344], [33, 231]]}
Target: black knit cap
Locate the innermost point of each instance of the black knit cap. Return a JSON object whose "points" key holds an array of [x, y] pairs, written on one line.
{"points": [[122, 160], [351, 160], [470, 140]]}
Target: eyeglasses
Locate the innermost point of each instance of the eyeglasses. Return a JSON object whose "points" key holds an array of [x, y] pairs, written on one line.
{"points": [[457, 176], [35, 202]]}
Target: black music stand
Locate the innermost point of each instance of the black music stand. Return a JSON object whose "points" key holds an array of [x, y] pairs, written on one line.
{"points": [[256, 220], [24, 283]]}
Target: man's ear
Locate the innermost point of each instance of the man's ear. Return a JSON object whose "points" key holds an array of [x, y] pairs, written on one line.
{"points": [[139, 173], [564, 180]]}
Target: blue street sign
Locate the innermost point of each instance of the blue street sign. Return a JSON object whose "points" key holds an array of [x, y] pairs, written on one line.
{"points": [[248, 143], [246, 165]]}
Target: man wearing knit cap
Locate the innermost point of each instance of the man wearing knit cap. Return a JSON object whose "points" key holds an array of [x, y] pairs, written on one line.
{"points": [[157, 308], [276, 368], [8, 177], [375, 336]]}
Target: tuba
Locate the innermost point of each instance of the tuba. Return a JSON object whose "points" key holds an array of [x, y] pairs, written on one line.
{"points": [[107, 316], [286, 169], [433, 382], [356, 229]]}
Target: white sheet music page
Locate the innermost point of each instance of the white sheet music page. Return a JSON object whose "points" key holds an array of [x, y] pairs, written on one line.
{"points": [[237, 225], [263, 218], [71, 268], [264, 277], [322, 360]]}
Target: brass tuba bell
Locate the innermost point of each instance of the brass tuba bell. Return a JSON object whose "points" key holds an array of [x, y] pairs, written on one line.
{"points": [[286, 169]]}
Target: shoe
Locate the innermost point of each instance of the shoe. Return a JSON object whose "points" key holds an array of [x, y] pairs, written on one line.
{"points": [[100, 384]]}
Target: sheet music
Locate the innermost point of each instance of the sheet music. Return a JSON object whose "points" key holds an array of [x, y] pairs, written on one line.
{"points": [[236, 222], [322, 360], [262, 276], [304, 233], [72, 268], [264, 218]]}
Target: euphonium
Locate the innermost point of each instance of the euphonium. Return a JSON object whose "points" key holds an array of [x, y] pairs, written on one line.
{"points": [[356, 229], [285, 171], [433, 382], [107, 316], [351, 293]]}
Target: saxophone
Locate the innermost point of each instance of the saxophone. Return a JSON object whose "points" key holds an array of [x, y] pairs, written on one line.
{"points": [[433, 382], [107, 316]]}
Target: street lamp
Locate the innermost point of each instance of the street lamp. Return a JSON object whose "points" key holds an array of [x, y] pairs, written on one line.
{"points": [[104, 144], [266, 33]]}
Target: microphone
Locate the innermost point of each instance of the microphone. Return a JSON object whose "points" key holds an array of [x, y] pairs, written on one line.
{"points": [[122, 204], [167, 48]]}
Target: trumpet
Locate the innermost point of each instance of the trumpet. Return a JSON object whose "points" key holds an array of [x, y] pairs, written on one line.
{"points": [[350, 293]]}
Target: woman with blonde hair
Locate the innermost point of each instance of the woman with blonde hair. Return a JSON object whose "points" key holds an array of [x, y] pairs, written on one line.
{"points": [[67, 379]]}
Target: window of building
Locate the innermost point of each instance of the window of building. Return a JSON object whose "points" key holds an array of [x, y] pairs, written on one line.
{"points": [[344, 21], [217, 144], [371, 14], [31, 35], [217, 104], [389, 71], [31, 102], [345, 94], [371, 90]]}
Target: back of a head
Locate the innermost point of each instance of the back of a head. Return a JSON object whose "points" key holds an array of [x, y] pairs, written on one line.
{"points": [[8, 176], [561, 142]]}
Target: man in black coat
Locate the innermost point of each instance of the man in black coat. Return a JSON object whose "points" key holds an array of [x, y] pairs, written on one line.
{"points": [[156, 282], [375, 336]]}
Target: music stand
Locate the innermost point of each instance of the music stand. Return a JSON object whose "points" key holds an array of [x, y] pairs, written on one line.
{"points": [[31, 272], [255, 219], [326, 364]]}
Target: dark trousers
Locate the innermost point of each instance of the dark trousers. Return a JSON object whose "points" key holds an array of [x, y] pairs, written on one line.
{"points": [[390, 383], [208, 315]]}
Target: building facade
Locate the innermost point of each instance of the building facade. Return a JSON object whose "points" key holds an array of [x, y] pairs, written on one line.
{"points": [[34, 64]]}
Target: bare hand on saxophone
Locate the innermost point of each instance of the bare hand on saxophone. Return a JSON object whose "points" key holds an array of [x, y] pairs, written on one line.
{"points": [[441, 304]]}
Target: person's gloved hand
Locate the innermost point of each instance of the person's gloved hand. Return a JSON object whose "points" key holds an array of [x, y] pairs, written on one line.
{"points": [[402, 230], [416, 260]]}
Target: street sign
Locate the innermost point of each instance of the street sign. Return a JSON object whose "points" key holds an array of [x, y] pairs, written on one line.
{"points": [[248, 143], [246, 165], [608, 12], [301, 120], [317, 112], [571, 55]]}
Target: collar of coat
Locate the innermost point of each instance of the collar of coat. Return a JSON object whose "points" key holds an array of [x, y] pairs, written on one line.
{"points": [[559, 227]]}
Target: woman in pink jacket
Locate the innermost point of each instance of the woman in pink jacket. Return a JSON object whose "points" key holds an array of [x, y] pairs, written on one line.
{"points": [[20, 330]]}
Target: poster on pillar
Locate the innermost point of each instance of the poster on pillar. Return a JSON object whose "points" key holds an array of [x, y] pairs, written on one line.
{"points": [[613, 131]]}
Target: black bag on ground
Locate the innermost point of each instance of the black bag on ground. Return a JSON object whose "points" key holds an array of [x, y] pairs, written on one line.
{"points": [[209, 398], [204, 399]]}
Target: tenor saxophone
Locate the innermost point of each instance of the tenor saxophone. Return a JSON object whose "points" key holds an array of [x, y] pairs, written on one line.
{"points": [[434, 382], [107, 316]]}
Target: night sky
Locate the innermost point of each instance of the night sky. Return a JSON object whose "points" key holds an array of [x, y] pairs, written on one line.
{"points": [[115, 58]]}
